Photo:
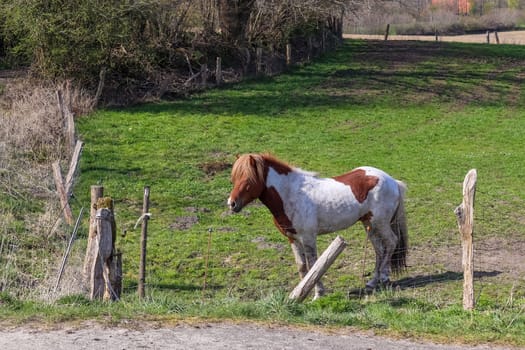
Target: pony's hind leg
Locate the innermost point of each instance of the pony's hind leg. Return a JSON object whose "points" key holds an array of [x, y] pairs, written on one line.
{"points": [[389, 243], [377, 243]]}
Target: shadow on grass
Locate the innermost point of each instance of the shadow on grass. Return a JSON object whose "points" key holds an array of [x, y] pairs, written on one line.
{"points": [[424, 280], [367, 74], [186, 288], [421, 281]]}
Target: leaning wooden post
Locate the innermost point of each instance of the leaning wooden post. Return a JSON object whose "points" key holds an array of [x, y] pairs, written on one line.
{"points": [[62, 194], [73, 165], [496, 36], [143, 243], [465, 216], [318, 270]]}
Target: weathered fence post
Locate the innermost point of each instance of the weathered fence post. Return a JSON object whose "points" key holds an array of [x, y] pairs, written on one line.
{"points": [[73, 165], [204, 75], [67, 116], [218, 71], [64, 200], [387, 31], [318, 270], [497, 36], [288, 54], [96, 193], [258, 60], [143, 243], [310, 49], [488, 37], [100, 252], [465, 217]]}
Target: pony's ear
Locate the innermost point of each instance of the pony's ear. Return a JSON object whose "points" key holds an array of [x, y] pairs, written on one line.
{"points": [[252, 161]]}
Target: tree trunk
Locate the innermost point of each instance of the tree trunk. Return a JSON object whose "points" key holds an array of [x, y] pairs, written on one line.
{"points": [[233, 18]]}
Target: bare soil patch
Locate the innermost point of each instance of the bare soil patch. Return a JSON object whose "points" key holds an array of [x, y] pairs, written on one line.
{"points": [[495, 259], [511, 37]]}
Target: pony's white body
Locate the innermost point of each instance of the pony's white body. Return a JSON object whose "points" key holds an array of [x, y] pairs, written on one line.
{"points": [[304, 205], [323, 205]]}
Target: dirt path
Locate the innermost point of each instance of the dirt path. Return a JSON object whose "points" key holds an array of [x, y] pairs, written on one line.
{"points": [[512, 37], [206, 336]]}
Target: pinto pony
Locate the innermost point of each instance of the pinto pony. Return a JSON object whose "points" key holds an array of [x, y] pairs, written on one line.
{"points": [[304, 205]]}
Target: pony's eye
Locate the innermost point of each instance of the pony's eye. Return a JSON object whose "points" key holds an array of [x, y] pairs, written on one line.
{"points": [[247, 188]]}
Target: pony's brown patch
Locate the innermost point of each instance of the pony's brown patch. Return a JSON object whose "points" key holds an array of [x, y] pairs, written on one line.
{"points": [[359, 182], [365, 219], [279, 166], [270, 197]]}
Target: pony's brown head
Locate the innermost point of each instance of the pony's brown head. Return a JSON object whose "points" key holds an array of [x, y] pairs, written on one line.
{"points": [[247, 179]]}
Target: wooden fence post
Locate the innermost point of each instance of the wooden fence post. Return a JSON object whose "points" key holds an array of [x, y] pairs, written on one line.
{"points": [[73, 165], [101, 252], [318, 270], [96, 193], [143, 243], [387, 31], [204, 75], [67, 116], [488, 37], [497, 36], [465, 217], [218, 71], [288, 54], [64, 199], [258, 60], [310, 49]]}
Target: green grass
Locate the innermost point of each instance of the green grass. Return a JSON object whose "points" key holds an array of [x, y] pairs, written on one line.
{"points": [[424, 112]]}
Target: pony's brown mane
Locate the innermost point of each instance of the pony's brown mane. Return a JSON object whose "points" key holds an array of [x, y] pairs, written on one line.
{"points": [[251, 166]]}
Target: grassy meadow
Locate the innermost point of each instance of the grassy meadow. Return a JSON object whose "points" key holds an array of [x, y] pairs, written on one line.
{"points": [[424, 112]]}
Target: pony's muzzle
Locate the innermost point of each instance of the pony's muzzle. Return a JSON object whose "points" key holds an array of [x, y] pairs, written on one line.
{"points": [[235, 206]]}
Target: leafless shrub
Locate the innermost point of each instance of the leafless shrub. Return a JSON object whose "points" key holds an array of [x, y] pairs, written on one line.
{"points": [[501, 19], [31, 138]]}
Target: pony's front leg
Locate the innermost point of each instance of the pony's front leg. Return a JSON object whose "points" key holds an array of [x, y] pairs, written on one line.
{"points": [[305, 256], [310, 250], [300, 260]]}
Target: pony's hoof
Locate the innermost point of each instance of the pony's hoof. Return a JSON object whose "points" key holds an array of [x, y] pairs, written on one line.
{"points": [[385, 283], [369, 289], [371, 285]]}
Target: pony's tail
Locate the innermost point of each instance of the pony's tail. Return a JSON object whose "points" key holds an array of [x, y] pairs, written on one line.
{"points": [[399, 226]]}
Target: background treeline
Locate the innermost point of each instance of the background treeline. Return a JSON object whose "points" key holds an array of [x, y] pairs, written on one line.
{"points": [[152, 46], [447, 17]]}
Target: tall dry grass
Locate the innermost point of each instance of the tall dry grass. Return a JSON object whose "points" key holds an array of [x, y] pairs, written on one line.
{"points": [[32, 137]]}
